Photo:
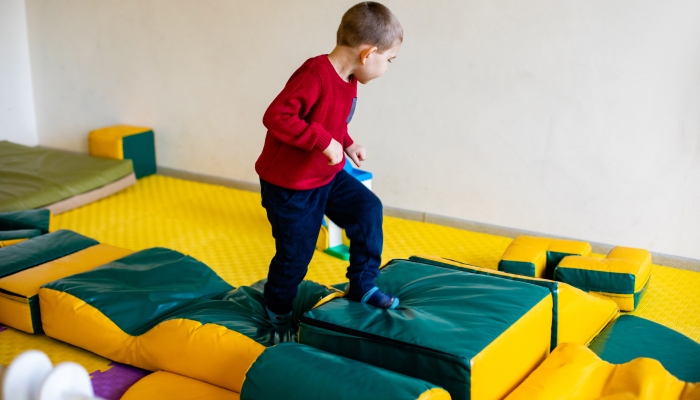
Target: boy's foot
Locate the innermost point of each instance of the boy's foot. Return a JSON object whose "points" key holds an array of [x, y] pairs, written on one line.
{"points": [[379, 299], [283, 330], [288, 336], [281, 322]]}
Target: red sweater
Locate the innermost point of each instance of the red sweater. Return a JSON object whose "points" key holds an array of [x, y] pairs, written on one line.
{"points": [[314, 107]]}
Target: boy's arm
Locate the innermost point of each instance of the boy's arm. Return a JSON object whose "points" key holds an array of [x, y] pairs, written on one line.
{"points": [[357, 153], [284, 117]]}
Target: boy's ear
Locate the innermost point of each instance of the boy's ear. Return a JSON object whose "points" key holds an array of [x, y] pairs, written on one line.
{"points": [[366, 52]]}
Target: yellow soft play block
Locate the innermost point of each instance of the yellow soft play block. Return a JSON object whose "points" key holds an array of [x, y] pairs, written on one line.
{"points": [[165, 385], [480, 335], [537, 256], [574, 372], [124, 142], [523, 345], [623, 275], [582, 316], [107, 142], [175, 345], [577, 316], [19, 304], [323, 241]]}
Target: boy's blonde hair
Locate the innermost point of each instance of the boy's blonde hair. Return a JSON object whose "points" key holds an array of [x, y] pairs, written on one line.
{"points": [[369, 23]]}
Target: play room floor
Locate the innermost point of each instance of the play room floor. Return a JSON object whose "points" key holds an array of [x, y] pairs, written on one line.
{"points": [[227, 230]]}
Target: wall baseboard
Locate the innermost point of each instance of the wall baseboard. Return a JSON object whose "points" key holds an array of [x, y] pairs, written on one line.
{"points": [[602, 248], [659, 258]]}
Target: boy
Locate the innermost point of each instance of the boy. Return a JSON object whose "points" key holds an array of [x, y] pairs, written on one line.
{"points": [[301, 165]]}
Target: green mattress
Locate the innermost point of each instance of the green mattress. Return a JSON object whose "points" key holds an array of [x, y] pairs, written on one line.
{"points": [[33, 177]]}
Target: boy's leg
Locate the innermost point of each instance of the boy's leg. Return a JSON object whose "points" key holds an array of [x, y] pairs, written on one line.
{"points": [[295, 217], [356, 209]]}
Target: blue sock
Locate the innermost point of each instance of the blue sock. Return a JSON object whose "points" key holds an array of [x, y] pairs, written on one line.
{"points": [[379, 299]]}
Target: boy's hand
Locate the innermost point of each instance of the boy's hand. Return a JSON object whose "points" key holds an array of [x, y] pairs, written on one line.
{"points": [[357, 153], [334, 152]]}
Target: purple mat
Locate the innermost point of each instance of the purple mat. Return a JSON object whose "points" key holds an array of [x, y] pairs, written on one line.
{"points": [[113, 383], [2, 328]]}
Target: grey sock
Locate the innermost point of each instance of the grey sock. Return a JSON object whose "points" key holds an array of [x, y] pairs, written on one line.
{"points": [[281, 322]]}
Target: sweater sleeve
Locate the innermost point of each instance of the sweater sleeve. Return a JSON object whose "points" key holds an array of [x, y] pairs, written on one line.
{"points": [[284, 118], [347, 140]]}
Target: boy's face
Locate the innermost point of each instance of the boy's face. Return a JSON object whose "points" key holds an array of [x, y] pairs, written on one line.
{"points": [[374, 64]]}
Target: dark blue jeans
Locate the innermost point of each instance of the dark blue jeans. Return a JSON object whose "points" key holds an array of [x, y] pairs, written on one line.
{"points": [[296, 217]]}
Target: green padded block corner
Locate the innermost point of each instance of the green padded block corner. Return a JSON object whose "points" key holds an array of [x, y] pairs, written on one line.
{"points": [[631, 337], [341, 251], [469, 311], [552, 286], [553, 259], [638, 296], [139, 290], [141, 150], [296, 372], [28, 219], [19, 234], [40, 250], [32, 177], [36, 314], [517, 267], [243, 310]]}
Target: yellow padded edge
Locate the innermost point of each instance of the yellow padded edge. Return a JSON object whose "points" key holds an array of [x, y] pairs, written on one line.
{"points": [[5, 243], [14, 312], [475, 268], [165, 385], [328, 298], [209, 352], [641, 256], [107, 142], [435, 394], [570, 246], [323, 241], [624, 301], [508, 360], [581, 315], [573, 371], [28, 282], [52, 222], [536, 242], [528, 249]]}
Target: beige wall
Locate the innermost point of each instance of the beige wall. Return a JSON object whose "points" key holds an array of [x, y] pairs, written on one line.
{"points": [[17, 122], [579, 119]]}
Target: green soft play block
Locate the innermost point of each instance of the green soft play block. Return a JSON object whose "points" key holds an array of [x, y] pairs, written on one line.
{"points": [[138, 291], [141, 150], [40, 250], [243, 309], [27, 219], [302, 372], [445, 320]]}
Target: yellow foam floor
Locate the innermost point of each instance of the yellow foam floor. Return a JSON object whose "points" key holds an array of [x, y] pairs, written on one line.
{"points": [[227, 229]]}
